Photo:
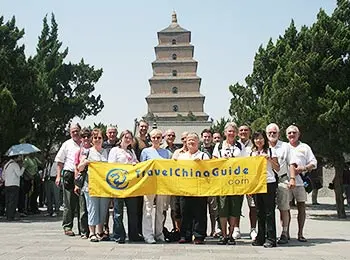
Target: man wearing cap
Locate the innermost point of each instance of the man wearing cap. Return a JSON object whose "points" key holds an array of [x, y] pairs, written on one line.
{"points": [[302, 161], [65, 176]]}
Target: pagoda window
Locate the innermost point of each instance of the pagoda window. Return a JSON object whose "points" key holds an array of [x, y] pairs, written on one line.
{"points": [[175, 108], [174, 90], [174, 56], [174, 73], [173, 42]]}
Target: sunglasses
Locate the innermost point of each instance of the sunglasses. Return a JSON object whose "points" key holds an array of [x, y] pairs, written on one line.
{"points": [[272, 133], [183, 138], [97, 137], [156, 137], [291, 132], [85, 136], [171, 135]]}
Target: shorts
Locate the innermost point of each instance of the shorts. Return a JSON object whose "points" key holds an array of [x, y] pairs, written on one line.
{"points": [[230, 206], [298, 193], [250, 201], [283, 196]]}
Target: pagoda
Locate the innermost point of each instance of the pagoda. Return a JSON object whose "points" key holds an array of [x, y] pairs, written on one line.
{"points": [[175, 100]]}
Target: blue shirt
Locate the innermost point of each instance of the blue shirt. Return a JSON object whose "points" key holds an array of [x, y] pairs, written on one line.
{"points": [[152, 153]]}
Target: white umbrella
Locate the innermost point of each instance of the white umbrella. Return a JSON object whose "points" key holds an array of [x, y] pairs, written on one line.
{"points": [[20, 149]]}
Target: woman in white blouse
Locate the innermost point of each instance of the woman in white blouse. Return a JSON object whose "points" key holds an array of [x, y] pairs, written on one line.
{"points": [[265, 202], [96, 206], [123, 153], [11, 174]]}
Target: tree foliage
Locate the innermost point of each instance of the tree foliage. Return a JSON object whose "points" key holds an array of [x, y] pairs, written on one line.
{"points": [[40, 96], [16, 86], [304, 78]]}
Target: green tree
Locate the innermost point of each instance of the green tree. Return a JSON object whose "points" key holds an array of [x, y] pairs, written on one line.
{"points": [[17, 88], [65, 88], [304, 78], [219, 125]]}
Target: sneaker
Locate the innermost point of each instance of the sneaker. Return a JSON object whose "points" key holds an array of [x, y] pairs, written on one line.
{"points": [[231, 241], [23, 215], [54, 214], [223, 241], [253, 234], [283, 239], [236, 234], [269, 244], [150, 241], [257, 243]]}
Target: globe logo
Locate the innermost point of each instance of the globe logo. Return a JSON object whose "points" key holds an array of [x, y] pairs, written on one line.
{"points": [[116, 179]]}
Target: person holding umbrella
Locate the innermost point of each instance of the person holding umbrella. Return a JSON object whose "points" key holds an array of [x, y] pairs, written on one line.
{"points": [[12, 173]]}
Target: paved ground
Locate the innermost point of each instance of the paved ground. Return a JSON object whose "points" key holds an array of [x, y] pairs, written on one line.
{"points": [[39, 237]]}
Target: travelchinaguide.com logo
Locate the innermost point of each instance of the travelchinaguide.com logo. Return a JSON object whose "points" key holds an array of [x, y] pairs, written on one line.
{"points": [[116, 179]]}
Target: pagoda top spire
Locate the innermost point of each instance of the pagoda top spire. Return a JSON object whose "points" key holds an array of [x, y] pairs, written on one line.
{"points": [[174, 26], [173, 17]]}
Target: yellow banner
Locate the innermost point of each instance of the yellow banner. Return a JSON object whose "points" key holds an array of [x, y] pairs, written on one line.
{"points": [[214, 177]]}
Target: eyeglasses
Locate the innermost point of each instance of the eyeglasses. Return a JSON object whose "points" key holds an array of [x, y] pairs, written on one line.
{"points": [[97, 137], [171, 135], [272, 133], [291, 132], [156, 137]]}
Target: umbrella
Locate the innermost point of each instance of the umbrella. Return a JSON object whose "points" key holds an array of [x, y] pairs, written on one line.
{"points": [[20, 149]]}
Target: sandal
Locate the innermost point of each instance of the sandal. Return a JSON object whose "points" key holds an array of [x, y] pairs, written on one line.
{"points": [[103, 237], [93, 238], [83, 236]]}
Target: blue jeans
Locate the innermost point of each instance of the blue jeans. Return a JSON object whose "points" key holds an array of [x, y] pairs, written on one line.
{"points": [[97, 208]]}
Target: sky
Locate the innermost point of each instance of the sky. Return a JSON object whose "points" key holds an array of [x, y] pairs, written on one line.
{"points": [[120, 36]]}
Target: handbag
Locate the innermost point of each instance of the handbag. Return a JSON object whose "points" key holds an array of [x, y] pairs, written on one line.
{"points": [[68, 180], [80, 179], [307, 182]]}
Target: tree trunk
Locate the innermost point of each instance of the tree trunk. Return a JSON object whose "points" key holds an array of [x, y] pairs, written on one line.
{"points": [[338, 189]]}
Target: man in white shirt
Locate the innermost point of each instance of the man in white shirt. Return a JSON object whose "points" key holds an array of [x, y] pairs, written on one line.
{"points": [[283, 155], [229, 207], [244, 134], [65, 172], [302, 161]]}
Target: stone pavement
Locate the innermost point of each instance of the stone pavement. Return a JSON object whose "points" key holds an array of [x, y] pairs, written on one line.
{"points": [[39, 237]]}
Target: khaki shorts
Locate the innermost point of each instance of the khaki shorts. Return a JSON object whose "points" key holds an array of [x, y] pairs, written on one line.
{"points": [[250, 201], [283, 196], [298, 193]]}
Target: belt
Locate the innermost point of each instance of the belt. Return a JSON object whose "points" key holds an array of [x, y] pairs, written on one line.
{"points": [[52, 178], [283, 175]]}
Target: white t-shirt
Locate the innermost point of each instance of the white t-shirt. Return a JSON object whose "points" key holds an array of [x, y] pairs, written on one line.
{"points": [[197, 155], [120, 155], [283, 155], [227, 150], [270, 172], [66, 154], [301, 155], [246, 147]]}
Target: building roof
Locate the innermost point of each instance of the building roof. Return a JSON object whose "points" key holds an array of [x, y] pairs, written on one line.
{"points": [[174, 26]]}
